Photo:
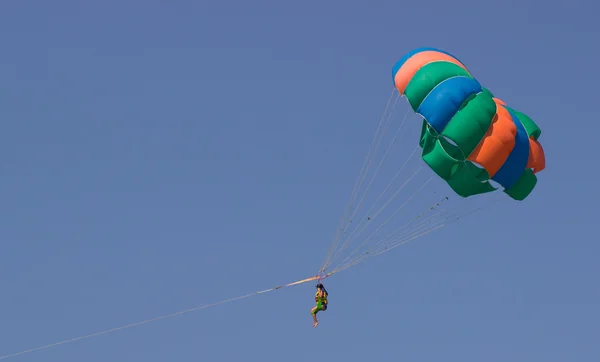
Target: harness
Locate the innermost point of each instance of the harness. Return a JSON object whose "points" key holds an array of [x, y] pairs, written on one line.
{"points": [[322, 299]]}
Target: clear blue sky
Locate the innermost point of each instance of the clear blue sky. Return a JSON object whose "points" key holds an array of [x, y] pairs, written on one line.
{"points": [[155, 156]]}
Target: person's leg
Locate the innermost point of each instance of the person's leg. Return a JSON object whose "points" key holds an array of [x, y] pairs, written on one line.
{"points": [[314, 312]]}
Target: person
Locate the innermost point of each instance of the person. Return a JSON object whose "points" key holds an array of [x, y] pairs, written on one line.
{"points": [[321, 299]]}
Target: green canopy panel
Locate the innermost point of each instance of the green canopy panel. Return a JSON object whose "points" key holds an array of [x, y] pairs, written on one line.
{"points": [[523, 187], [531, 127], [428, 77], [448, 162], [465, 180], [470, 124], [428, 137]]}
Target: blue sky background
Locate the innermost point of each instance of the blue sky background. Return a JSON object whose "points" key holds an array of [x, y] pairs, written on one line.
{"points": [[155, 156]]}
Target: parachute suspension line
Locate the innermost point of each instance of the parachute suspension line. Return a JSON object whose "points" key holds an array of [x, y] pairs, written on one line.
{"points": [[127, 326], [388, 238], [371, 255], [386, 204], [421, 221], [421, 230], [369, 185], [393, 214], [377, 170], [366, 217], [404, 238], [361, 176], [440, 216], [425, 227]]}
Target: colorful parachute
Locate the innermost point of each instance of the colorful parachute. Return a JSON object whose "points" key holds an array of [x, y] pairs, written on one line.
{"points": [[468, 136]]}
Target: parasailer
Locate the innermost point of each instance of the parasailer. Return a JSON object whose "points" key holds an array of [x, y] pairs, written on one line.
{"points": [[321, 300]]}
